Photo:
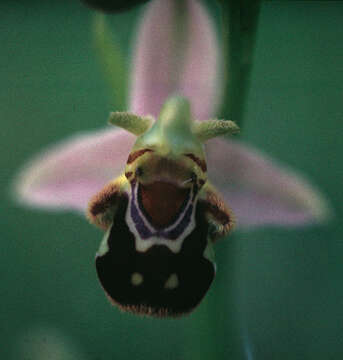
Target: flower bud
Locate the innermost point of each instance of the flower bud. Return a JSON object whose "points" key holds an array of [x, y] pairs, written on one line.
{"points": [[113, 6]]}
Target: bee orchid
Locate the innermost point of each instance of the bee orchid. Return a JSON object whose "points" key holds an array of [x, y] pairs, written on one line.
{"points": [[162, 215], [160, 195]]}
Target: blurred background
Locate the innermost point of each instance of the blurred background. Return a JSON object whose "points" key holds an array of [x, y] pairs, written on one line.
{"points": [[278, 293]]}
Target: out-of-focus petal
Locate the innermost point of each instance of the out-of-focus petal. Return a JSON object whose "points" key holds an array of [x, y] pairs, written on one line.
{"points": [[259, 191], [42, 342], [69, 173], [176, 52]]}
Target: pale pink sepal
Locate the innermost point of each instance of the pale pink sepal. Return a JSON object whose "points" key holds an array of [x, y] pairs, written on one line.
{"points": [[260, 191], [171, 59], [68, 174]]}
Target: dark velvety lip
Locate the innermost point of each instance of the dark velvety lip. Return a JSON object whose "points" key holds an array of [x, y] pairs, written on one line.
{"points": [[162, 202]]}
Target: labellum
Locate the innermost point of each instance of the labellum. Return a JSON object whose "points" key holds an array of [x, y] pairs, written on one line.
{"points": [[161, 215]]}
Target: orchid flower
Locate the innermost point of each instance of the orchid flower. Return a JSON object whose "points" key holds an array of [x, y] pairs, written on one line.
{"points": [[176, 54]]}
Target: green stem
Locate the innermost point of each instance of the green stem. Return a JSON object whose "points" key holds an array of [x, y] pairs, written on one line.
{"points": [[239, 24], [112, 61]]}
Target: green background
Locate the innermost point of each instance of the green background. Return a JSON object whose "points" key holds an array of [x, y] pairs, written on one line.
{"points": [[278, 293]]}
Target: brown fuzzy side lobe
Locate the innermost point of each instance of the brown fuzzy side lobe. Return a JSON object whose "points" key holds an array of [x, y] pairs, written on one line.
{"points": [[222, 216], [102, 206]]}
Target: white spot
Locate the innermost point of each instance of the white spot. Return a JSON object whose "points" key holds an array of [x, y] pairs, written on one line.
{"points": [[172, 282], [136, 279]]}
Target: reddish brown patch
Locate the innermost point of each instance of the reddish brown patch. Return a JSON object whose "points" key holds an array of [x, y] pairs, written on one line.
{"points": [[199, 162], [162, 201], [133, 156], [128, 174]]}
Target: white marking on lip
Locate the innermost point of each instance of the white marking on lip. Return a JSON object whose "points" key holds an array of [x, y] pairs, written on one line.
{"points": [[136, 279], [172, 282]]}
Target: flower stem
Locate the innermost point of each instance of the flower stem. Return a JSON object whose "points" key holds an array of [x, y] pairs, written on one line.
{"points": [[112, 61], [239, 24]]}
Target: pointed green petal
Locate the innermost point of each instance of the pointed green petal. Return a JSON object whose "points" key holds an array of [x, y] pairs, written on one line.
{"points": [[134, 124], [209, 129]]}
